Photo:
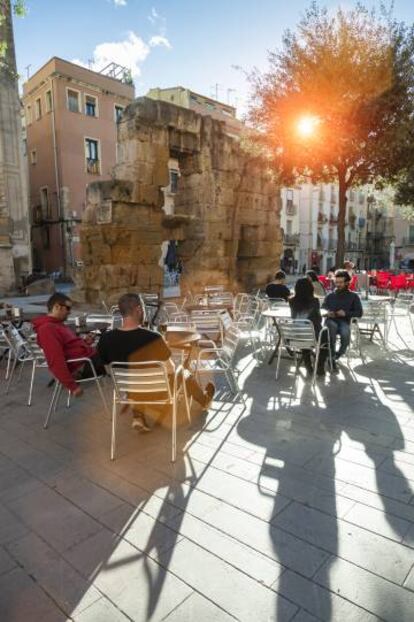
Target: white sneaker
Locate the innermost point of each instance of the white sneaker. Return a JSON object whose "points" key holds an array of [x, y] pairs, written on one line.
{"points": [[138, 423]]}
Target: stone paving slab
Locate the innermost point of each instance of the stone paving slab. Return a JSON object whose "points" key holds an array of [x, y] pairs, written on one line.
{"points": [[298, 506]]}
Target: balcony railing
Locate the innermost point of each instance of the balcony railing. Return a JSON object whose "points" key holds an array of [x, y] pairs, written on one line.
{"points": [[321, 243], [333, 221], [407, 242], [290, 208], [291, 239], [351, 246], [93, 166], [322, 218]]}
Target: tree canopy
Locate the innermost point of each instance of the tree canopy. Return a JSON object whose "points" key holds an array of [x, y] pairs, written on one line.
{"points": [[336, 102]]}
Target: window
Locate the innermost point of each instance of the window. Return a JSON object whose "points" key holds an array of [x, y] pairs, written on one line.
{"points": [[44, 202], [33, 156], [46, 237], [411, 233], [91, 106], [25, 146], [92, 156], [73, 98], [289, 227], [174, 181], [118, 113], [48, 99], [29, 114], [38, 108]]}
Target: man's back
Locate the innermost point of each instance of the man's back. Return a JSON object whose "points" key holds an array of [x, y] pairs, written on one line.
{"points": [[137, 345], [277, 290]]}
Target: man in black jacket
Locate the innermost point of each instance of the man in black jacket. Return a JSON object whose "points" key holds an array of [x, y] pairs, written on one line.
{"points": [[342, 305]]}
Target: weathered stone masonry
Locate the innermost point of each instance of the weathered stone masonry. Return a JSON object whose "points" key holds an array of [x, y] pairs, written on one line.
{"points": [[226, 208]]}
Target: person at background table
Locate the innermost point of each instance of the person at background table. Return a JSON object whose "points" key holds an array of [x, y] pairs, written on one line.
{"points": [[278, 288], [318, 288], [305, 306], [59, 343], [133, 343], [342, 305]]}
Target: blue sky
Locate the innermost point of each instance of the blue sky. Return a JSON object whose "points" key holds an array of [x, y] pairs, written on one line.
{"points": [[193, 43]]}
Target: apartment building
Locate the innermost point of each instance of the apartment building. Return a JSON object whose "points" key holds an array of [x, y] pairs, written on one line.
{"points": [[201, 104], [71, 132], [309, 220]]}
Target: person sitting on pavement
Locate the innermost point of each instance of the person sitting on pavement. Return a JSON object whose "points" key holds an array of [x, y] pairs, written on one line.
{"points": [[59, 344], [277, 288], [305, 306], [342, 305], [318, 288], [133, 343]]}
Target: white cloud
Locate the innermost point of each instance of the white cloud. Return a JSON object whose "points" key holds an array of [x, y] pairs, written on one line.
{"points": [[120, 2], [154, 16], [157, 40], [130, 53]]}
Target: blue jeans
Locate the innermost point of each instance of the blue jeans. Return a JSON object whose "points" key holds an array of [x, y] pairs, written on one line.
{"points": [[341, 328]]}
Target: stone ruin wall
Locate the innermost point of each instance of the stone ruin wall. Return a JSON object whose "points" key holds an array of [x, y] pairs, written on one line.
{"points": [[226, 208]]}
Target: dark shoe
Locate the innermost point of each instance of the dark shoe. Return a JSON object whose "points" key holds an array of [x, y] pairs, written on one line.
{"points": [[209, 395], [335, 369]]}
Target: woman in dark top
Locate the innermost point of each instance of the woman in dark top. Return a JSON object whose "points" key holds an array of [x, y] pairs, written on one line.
{"points": [[305, 306]]}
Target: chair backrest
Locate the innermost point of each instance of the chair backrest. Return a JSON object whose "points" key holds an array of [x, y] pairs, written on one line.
{"points": [[186, 323], [148, 381], [221, 298], [16, 342], [230, 342], [373, 311], [297, 334], [213, 288], [226, 320], [208, 326]]}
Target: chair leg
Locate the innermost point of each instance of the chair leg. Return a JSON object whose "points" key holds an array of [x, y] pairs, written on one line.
{"points": [[53, 403], [102, 396], [13, 367], [9, 357], [279, 355], [315, 364], [186, 400], [29, 400], [113, 433], [68, 400], [174, 430]]}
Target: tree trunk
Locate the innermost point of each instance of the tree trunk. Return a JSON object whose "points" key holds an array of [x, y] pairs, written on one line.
{"points": [[340, 249]]}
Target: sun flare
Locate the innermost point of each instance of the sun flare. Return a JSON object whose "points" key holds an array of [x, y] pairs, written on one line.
{"points": [[306, 126]]}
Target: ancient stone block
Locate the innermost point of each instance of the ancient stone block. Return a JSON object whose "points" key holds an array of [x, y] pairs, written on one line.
{"points": [[225, 209]]}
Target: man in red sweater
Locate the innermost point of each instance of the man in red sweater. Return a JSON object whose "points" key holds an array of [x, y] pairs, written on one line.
{"points": [[60, 343]]}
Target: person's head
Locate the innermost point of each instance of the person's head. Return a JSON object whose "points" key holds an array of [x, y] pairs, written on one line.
{"points": [[304, 293], [130, 307], [280, 276], [349, 266], [342, 279], [312, 276], [59, 306]]}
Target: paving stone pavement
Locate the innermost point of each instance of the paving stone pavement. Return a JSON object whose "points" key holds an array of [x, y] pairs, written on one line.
{"points": [[296, 505]]}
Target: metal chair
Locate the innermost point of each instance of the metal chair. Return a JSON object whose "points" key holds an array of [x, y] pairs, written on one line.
{"points": [[370, 323], [23, 351], [142, 384], [58, 388], [400, 309], [220, 359], [5, 351], [297, 335]]}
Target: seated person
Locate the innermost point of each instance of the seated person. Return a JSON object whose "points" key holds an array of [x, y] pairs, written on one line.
{"points": [[342, 305], [305, 306], [134, 343], [318, 288], [277, 288], [59, 343]]}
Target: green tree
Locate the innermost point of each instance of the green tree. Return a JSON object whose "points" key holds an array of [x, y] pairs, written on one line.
{"points": [[404, 195], [336, 102], [7, 8]]}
